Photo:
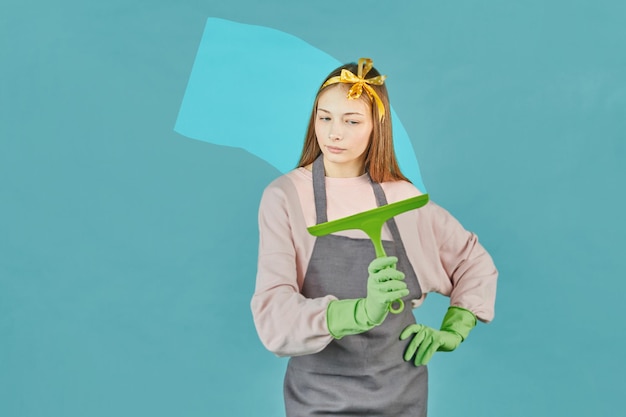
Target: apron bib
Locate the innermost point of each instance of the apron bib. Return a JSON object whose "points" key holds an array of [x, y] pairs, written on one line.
{"points": [[363, 374]]}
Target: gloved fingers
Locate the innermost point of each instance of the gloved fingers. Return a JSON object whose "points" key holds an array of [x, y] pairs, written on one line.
{"points": [[386, 297], [381, 263], [426, 350], [386, 292], [386, 275], [390, 297], [387, 286], [410, 330], [414, 344]]}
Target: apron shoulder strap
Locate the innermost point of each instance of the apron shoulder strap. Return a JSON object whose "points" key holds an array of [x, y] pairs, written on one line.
{"points": [[319, 189], [381, 200]]}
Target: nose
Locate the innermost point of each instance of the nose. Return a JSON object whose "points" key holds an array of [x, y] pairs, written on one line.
{"points": [[335, 134]]}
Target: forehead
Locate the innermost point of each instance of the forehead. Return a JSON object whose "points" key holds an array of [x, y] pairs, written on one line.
{"points": [[335, 99]]}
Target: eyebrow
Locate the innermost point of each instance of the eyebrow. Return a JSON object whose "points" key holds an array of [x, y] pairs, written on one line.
{"points": [[345, 114]]}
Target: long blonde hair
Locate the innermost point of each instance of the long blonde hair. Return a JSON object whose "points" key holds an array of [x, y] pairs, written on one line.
{"points": [[380, 158]]}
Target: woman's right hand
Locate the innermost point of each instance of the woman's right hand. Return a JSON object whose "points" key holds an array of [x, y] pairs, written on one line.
{"points": [[385, 285], [353, 316]]}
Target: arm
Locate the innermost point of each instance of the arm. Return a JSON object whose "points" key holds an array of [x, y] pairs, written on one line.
{"points": [[470, 268], [472, 278], [287, 323]]}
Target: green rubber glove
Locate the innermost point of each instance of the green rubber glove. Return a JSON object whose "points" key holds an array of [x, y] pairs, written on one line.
{"points": [[385, 284], [456, 325]]}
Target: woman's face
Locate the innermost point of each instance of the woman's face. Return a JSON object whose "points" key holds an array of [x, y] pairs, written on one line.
{"points": [[343, 128]]}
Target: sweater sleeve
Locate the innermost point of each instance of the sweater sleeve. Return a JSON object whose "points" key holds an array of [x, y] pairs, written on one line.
{"points": [[468, 265], [287, 323]]}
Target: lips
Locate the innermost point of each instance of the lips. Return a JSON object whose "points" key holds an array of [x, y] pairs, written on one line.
{"points": [[334, 149]]}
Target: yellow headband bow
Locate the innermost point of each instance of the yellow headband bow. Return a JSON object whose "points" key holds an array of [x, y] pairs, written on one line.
{"points": [[360, 82]]}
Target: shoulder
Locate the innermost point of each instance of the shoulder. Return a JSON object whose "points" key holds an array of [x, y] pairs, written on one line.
{"points": [[399, 190], [432, 216], [284, 190], [279, 185]]}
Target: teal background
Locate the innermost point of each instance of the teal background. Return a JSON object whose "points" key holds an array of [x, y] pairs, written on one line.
{"points": [[128, 251]]}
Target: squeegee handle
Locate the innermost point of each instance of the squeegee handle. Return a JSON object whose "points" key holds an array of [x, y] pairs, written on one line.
{"points": [[380, 252]]}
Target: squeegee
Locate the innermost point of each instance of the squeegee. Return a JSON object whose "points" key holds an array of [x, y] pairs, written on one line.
{"points": [[372, 222]]}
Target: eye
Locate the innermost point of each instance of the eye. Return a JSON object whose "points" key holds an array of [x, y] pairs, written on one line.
{"points": [[352, 122], [324, 118]]}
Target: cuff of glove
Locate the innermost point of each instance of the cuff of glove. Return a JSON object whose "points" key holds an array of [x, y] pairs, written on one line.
{"points": [[345, 317], [459, 321]]}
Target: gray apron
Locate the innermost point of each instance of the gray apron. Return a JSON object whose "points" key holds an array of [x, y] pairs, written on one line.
{"points": [[363, 374]]}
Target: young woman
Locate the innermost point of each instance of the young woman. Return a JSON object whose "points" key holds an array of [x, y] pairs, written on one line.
{"points": [[325, 301]]}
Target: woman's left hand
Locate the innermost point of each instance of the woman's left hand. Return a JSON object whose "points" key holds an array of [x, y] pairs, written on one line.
{"points": [[426, 341], [455, 328]]}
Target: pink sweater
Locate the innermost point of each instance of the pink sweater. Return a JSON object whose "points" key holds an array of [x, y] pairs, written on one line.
{"points": [[446, 258]]}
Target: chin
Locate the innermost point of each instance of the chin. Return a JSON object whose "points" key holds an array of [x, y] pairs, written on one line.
{"points": [[336, 159]]}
